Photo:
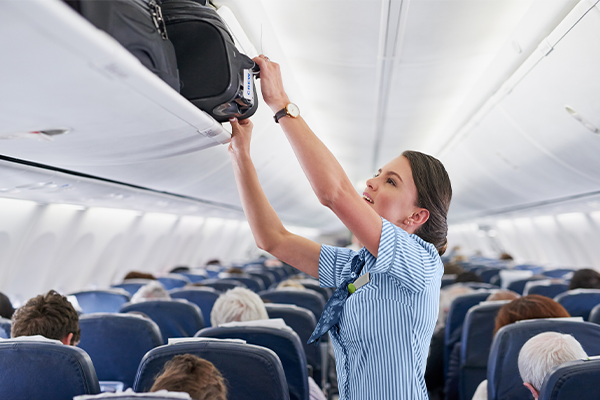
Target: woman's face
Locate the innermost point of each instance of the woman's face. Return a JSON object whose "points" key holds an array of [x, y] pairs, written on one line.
{"points": [[393, 195]]}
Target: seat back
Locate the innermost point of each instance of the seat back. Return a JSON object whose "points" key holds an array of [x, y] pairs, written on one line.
{"points": [[454, 321], [558, 273], [175, 318], [303, 322], [504, 381], [252, 283], [579, 302], [572, 380], [268, 278], [518, 286], [488, 273], [132, 285], [174, 281], [203, 297], [222, 285], [594, 315], [307, 298], [313, 284], [545, 288], [6, 324], [95, 301], [194, 277], [116, 343], [252, 372], [284, 342], [44, 370], [447, 280], [476, 341]]}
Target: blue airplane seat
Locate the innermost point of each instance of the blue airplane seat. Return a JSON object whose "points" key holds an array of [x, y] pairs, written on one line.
{"points": [[175, 318], [96, 301], [305, 298], [313, 284], [203, 297], [594, 315], [572, 380], [280, 273], [536, 269], [116, 343], [252, 372], [132, 285], [454, 322], [504, 381], [196, 276], [546, 289], [45, 370], [249, 281], [6, 324], [579, 302], [476, 341], [174, 281], [518, 286], [303, 322], [268, 278], [488, 273], [284, 342], [448, 280], [222, 285], [557, 273], [479, 285]]}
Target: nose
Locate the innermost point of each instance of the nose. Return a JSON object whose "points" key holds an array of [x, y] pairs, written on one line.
{"points": [[371, 184]]}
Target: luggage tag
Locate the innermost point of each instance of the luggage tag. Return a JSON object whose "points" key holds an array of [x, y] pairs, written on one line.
{"points": [[360, 282]]}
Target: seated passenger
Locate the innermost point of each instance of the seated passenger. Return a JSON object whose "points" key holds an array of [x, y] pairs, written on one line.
{"points": [[6, 308], [532, 306], [503, 294], [585, 279], [152, 291], [193, 375], [290, 284], [49, 315], [138, 275], [238, 304], [543, 352], [468, 276]]}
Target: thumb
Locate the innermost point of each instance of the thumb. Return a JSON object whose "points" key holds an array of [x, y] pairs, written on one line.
{"points": [[235, 126]]}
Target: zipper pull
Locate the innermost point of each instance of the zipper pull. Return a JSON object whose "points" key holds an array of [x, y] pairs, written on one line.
{"points": [[157, 18]]}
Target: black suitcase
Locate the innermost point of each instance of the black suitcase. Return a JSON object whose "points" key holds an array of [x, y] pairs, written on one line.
{"points": [[139, 26], [214, 75]]}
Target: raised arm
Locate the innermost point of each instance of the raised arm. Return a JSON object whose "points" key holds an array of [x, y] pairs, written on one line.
{"points": [[327, 178], [269, 233]]}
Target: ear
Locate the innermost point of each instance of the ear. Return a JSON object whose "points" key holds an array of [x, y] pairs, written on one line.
{"points": [[418, 218], [67, 339], [533, 390]]}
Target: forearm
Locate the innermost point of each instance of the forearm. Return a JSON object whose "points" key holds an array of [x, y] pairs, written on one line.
{"points": [[325, 174]]}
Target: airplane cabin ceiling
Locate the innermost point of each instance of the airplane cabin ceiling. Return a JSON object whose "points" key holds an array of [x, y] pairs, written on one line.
{"points": [[372, 78]]}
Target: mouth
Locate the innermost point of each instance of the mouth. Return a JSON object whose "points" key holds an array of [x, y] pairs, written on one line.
{"points": [[367, 198]]}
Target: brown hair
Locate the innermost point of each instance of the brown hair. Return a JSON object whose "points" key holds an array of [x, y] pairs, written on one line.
{"points": [[434, 193], [138, 275], [193, 375], [532, 306], [585, 279], [50, 315]]}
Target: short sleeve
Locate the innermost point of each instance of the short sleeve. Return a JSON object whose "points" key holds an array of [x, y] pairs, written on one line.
{"points": [[408, 258], [331, 263]]}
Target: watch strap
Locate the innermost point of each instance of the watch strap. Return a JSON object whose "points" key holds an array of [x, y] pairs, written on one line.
{"points": [[280, 114]]}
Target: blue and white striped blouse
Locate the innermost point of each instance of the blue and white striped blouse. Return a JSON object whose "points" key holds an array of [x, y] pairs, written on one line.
{"points": [[386, 326]]}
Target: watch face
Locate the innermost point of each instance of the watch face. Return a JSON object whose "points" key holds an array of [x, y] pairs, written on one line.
{"points": [[293, 110]]}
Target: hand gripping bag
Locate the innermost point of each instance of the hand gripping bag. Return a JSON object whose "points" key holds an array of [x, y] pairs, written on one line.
{"points": [[214, 75]]}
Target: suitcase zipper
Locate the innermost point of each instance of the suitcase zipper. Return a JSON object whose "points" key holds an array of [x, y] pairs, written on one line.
{"points": [[157, 18]]}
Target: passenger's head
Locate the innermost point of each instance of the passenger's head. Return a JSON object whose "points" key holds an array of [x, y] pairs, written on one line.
{"points": [[290, 283], [193, 375], [468, 276], [50, 315], [447, 296], [6, 308], [532, 306], [434, 194], [543, 352], [506, 256], [452, 268], [503, 295], [238, 304], [138, 275], [585, 279], [152, 291], [179, 269]]}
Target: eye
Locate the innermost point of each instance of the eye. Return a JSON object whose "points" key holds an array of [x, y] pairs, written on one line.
{"points": [[377, 174], [390, 180]]}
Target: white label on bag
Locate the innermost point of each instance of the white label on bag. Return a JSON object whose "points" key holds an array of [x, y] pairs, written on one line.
{"points": [[248, 92]]}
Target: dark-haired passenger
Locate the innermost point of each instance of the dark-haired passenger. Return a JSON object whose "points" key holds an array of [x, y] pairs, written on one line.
{"points": [[193, 375], [49, 315], [532, 306], [6, 308], [139, 275], [585, 279]]}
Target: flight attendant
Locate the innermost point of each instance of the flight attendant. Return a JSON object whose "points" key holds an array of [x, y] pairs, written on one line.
{"points": [[383, 312]]}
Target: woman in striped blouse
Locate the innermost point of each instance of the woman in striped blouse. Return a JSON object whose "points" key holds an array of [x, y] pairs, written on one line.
{"points": [[382, 338]]}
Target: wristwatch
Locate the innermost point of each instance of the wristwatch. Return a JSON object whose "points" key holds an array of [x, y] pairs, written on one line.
{"points": [[291, 110]]}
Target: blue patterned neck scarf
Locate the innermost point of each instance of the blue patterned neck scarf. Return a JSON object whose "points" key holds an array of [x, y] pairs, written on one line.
{"points": [[335, 305]]}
